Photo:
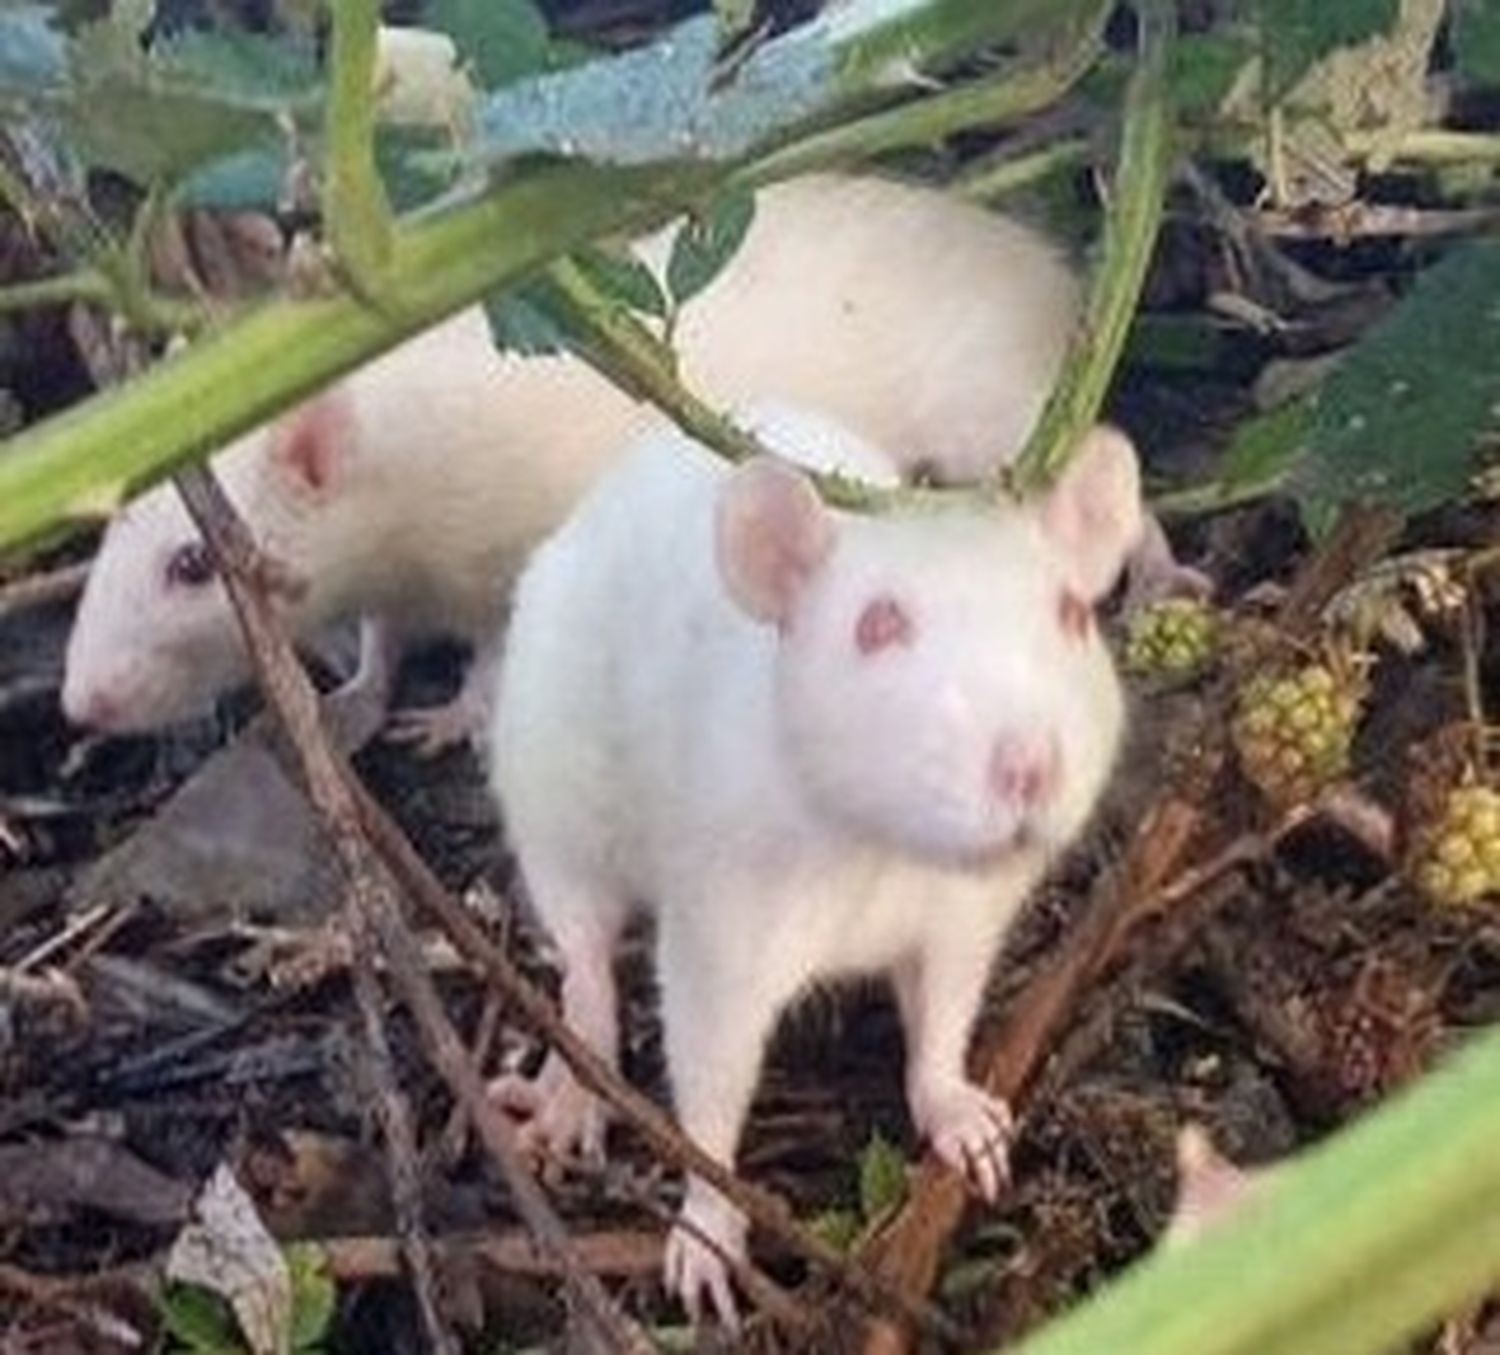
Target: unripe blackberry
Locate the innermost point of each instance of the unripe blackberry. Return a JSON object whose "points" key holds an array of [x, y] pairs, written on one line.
{"points": [[1172, 638], [1456, 859], [1293, 731]]}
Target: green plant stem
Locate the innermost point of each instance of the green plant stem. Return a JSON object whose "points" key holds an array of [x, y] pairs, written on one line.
{"points": [[1130, 229], [995, 179], [1432, 146], [1353, 1246], [1004, 98], [87, 284], [1214, 497], [356, 215], [72, 467], [620, 348]]}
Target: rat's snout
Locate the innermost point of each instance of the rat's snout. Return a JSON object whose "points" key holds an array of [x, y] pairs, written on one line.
{"points": [[90, 707], [1025, 770]]}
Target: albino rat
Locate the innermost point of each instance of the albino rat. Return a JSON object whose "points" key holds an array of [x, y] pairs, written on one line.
{"points": [[813, 744], [411, 493]]}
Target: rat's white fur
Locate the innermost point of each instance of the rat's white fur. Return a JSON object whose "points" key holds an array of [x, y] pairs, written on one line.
{"points": [[930, 326], [789, 806]]}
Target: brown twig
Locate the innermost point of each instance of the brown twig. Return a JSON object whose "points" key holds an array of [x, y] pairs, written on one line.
{"points": [[1357, 220], [1361, 536], [372, 910], [623, 1253], [766, 1210], [42, 590], [393, 1115]]}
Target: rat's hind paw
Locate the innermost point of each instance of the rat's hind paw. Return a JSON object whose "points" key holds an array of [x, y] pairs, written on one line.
{"points": [[708, 1231]]}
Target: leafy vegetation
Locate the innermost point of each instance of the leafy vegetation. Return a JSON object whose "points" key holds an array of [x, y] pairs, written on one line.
{"points": [[518, 161]]}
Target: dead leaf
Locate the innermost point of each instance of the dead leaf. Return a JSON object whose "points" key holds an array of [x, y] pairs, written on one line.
{"points": [[228, 1250]]}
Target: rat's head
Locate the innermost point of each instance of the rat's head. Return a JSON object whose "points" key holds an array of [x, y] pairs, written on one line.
{"points": [[155, 638], [941, 683]]}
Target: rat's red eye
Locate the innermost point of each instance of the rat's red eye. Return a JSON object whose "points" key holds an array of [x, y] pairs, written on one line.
{"points": [[883, 623], [1074, 615], [190, 565]]}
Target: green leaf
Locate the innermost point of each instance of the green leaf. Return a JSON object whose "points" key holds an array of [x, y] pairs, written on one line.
{"points": [[1476, 40], [157, 116], [1202, 67], [624, 279], [882, 1179], [734, 15], [1265, 448], [33, 54], [706, 242], [522, 321], [1179, 342], [200, 1321], [1296, 33], [501, 40], [416, 165], [243, 181], [1398, 421], [837, 1228], [249, 70], [313, 1294]]}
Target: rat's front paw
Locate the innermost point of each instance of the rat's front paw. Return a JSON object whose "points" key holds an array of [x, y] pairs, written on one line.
{"points": [[430, 730], [558, 1118], [708, 1230], [970, 1130]]}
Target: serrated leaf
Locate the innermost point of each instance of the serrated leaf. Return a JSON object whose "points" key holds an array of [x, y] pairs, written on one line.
{"points": [[250, 70], [1398, 422], [33, 54], [706, 242], [624, 280], [882, 1179], [1297, 33], [656, 101], [521, 321], [313, 1294], [502, 40], [1476, 40], [200, 1321], [158, 116]]}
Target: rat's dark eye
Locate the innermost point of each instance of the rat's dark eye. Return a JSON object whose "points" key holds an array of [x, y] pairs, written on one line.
{"points": [[190, 565], [1074, 615], [883, 622]]}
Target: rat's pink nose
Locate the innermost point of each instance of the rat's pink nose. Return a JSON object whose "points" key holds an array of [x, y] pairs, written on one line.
{"points": [[1025, 769], [91, 708]]}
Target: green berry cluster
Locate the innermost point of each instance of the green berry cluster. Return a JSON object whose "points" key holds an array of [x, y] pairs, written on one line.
{"points": [[1458, 857], [1173, 638], [1293, 732]]}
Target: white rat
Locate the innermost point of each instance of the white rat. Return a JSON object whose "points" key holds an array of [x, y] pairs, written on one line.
{"points": [[813, 744], [411, 493]]}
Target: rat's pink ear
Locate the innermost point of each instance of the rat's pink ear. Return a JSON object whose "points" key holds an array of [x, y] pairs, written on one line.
{"points": [[1093, 512], [772, 533], [308, 448]]}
